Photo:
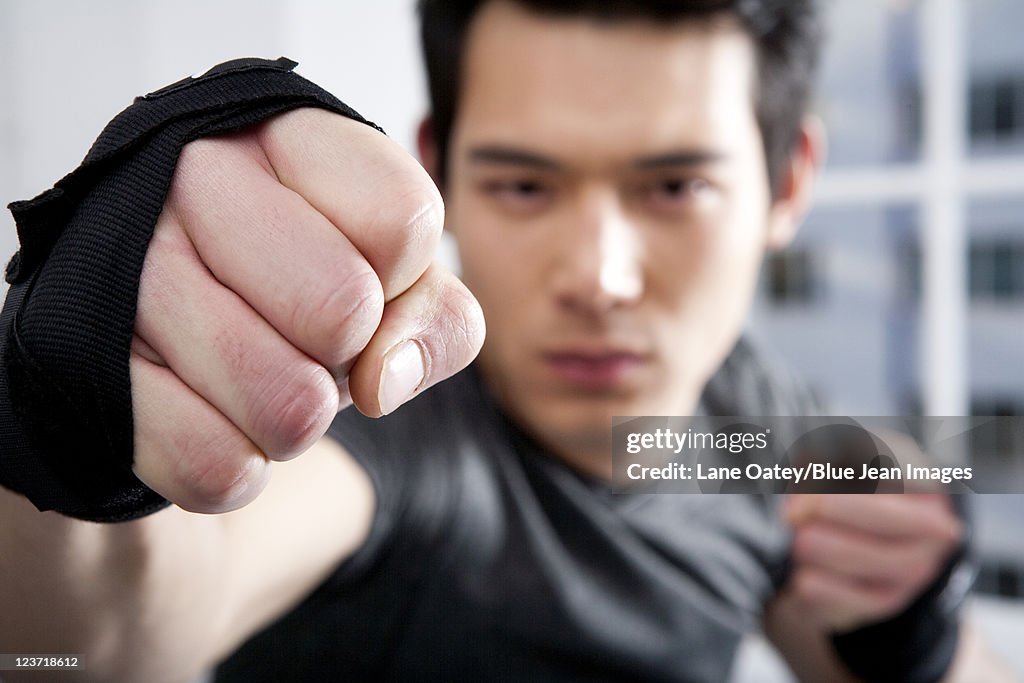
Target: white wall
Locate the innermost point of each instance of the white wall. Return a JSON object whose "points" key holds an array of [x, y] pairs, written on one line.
{"points": [[67, 67]]}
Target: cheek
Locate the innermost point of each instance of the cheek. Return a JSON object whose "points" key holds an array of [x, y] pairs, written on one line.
{"points": [[734, 243], [476, 242], [706, 289], [498, 272], [706, 265]]}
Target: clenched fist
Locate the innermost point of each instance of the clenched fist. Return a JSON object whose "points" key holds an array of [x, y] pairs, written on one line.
{"points": [[289, 274], [858, 559]]}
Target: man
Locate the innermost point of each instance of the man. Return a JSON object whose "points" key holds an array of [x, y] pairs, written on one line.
{"points": [[613, 173]]}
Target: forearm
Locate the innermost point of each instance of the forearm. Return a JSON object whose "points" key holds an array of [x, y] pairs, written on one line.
{"points": [[803, 641], [121, 596], [167, 596]]}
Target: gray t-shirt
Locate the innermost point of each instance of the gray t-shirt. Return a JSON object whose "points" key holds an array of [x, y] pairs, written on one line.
{"points": [[490, 560]]}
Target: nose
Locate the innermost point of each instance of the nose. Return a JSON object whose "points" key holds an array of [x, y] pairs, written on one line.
{"points": [[600, 268]]}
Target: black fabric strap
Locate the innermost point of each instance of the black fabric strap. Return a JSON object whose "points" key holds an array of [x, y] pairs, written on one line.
{"points": [[65, 331]]}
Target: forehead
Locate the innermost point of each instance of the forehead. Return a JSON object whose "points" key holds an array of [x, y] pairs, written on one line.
{"points": [[560, 82]]}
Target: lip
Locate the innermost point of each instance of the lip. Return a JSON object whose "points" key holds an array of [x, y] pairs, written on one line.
{"points": [[596, 369]]}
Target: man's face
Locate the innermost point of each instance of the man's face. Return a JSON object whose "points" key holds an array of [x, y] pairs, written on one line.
{"points": [[608, 193]]}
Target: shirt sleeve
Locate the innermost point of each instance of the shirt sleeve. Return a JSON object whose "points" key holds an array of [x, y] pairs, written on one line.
{"points": [[413, 473]]}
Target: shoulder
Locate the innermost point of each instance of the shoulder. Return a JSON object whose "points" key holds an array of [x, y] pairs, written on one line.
{"points": [[753, 380]]}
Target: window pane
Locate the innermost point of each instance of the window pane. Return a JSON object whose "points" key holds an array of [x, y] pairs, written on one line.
{"points": [[996, 263], [792, 277], [980, 272], [996, 315], [854, 338], [869, 93], [996, 70]]}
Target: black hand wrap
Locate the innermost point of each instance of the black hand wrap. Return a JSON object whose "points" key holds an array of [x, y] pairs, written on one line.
{"points": [[917, 645], [66, 328]]}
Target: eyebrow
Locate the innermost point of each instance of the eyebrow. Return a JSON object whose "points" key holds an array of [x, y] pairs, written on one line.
{"points": [[679, 158], [511, 156]]}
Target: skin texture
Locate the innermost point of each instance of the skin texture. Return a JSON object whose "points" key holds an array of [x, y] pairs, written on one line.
{"points": [[609, 196], [244, 355]]}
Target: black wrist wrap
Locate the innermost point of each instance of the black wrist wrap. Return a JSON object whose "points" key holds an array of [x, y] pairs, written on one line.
{"points": [[66, 327], [917, 645]]}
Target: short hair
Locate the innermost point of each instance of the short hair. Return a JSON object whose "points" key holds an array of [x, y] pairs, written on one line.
{"points": [[786, 35]]}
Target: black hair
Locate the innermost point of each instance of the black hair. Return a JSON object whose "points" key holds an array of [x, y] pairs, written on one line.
{"points": [[786, 35]]}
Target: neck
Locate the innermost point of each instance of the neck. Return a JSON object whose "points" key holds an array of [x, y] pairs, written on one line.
{"points": [[594, 462]]}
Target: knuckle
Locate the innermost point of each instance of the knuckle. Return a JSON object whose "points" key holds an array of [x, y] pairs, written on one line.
{"points": [[919, 573], [470, 318], [462, 326], [195, 158], [425, 222], [167, 251], [238, 355], [190, 159], [414, 219], [892, 600], [220, 471], [193, 177], [340, 319], [293, 410], [806, 586], [813, 544], [801, 546], [192, 152]]}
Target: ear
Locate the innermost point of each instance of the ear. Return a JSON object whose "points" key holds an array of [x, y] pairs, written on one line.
{"points": [[793, 201], [426, 142]]}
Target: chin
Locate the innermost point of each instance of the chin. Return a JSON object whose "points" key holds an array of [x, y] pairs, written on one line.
{"points": [[582, 420]]}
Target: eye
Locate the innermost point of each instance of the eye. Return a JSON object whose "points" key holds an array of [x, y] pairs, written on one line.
{"points": [[520, 195], [676, 194], [678, 189]]}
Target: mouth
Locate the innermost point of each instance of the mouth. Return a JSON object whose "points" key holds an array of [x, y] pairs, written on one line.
{"points": [[596, 370]]}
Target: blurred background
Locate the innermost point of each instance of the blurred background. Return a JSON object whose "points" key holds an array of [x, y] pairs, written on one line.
{"points": [[903, 294]]}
